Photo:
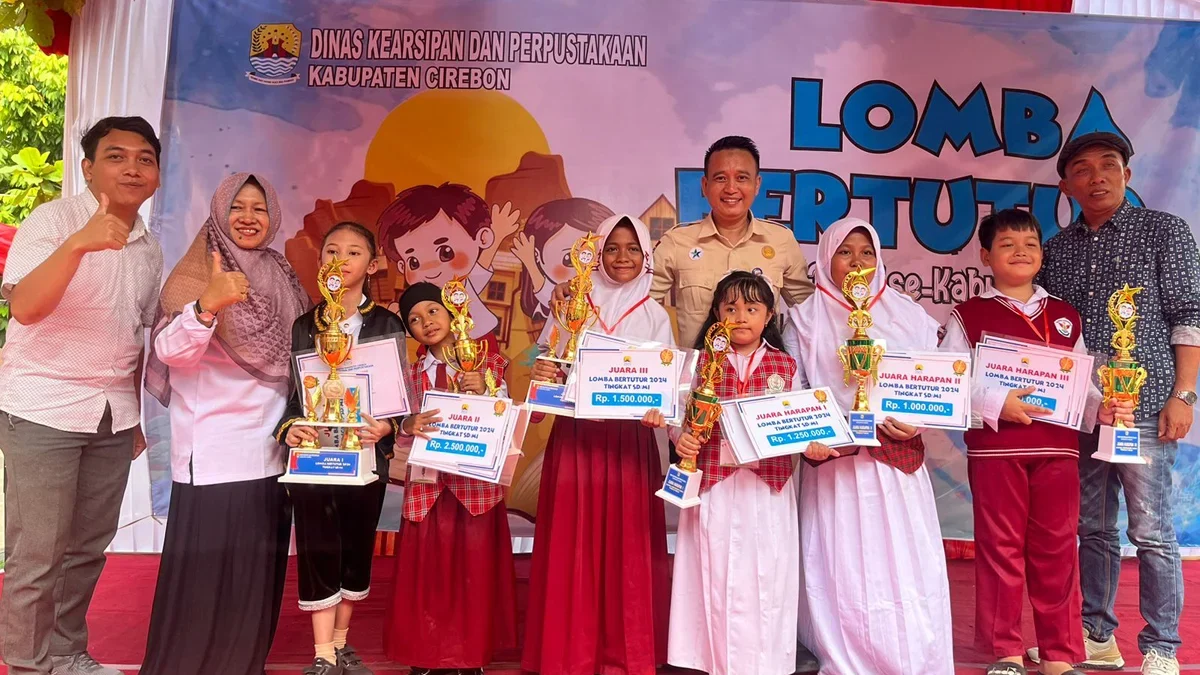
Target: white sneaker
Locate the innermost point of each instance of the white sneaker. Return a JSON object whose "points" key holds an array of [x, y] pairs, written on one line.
{"points": [[1157, 664], [84, 664], [1100, 655]]}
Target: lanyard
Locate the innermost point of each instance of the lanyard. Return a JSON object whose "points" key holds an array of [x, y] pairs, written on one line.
{"points": [[1044, 334], [608, 330]]}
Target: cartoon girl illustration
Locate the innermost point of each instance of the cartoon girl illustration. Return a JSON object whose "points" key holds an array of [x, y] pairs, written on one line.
{"points": [[438, 233], [544, 248]]}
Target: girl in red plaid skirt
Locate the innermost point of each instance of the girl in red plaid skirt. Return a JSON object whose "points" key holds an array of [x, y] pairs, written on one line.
{"points": [[598, 591], [737, 555], [455, 597]]}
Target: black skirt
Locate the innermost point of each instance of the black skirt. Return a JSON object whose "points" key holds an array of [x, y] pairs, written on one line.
{"points": [[220, 581]]}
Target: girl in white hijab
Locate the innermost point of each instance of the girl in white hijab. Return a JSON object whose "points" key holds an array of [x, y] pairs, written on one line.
{"points": [[599, 594], [875, 597]]}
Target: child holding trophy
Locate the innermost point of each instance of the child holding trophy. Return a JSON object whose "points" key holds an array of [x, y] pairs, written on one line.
{"points": [[869, 526], [598, 596], [335, 524], [737, 556], [1024, 474], [455, 598]]}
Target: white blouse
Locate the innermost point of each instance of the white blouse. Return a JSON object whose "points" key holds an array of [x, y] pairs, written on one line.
{"points": [[221, 416]]}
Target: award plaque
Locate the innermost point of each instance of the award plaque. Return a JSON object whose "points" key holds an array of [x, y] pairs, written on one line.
{"points": [[332, 407], [1121, 379]]}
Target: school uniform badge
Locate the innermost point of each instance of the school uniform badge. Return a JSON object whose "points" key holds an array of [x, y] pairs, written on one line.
{"points": [[775, 384], [768, 252], [695, 253], [1064, 326]]}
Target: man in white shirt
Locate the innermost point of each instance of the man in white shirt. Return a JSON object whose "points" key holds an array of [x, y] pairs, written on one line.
{"points": [[82, 282]]}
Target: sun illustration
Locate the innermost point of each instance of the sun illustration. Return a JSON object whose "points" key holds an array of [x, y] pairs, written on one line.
{"points": [[463, 137]]}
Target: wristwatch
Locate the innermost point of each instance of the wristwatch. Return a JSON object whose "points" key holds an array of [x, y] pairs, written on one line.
{"points": [[208, 317], [1188, 397]]}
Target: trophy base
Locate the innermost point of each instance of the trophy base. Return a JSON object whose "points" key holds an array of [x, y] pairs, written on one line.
{"points": [[681, 488], [862, 429], [554, 359], [330, 466], [1119, 446]]}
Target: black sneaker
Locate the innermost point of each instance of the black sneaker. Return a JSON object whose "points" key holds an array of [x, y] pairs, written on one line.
{"points": [[349, 662], [322, 667]]}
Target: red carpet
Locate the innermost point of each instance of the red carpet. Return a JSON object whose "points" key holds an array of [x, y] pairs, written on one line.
{"points": [[121, 610]]}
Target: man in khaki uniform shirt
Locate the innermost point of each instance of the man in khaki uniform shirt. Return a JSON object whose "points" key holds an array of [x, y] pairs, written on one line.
{"points": [[692, 258]]}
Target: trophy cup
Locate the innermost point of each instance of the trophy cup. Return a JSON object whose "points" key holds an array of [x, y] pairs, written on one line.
{"points": [[575, 314], [1121, 379], [466, 355], [331, 407], [682, 484], [860, 355]]}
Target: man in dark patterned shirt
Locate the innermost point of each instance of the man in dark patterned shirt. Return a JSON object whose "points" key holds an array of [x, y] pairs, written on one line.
{"points": [[1113, 243]]}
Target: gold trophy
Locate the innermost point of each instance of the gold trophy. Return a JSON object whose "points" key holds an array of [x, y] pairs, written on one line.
{"points": [[467, 355], [682, 484], [312, 403], [575, 314], [860, 355], [348, 464], [1121, 380]]}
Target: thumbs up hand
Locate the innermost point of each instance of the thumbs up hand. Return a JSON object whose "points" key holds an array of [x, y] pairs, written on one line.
{"points": [[103, 231], [224, 288]]}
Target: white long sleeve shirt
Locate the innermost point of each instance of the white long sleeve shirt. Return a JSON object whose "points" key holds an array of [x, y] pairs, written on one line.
{"points": [[987, 398], [221, 416]]}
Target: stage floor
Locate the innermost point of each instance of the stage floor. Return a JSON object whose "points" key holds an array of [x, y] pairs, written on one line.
{"points": [[121, 610]]}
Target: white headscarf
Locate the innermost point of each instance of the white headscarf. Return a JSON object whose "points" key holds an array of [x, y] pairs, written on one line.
{"points": [[648, 321], [820, 321]]}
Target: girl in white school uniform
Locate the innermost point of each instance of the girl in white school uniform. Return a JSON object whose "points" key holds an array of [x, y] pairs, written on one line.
{"points": [[876, 598], [737, 569]]}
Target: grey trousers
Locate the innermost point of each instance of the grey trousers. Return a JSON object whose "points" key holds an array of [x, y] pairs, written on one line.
{"points": [[63, 495]]}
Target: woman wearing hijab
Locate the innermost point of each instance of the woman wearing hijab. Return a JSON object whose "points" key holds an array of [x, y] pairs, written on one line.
{"points": [[599, 593], [875, 597], [219, 361]]}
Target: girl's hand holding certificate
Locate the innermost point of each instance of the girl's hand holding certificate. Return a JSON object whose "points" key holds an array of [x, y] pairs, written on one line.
{"points": [[897, 430], [654, 419], [421, 424], [818, 452]]}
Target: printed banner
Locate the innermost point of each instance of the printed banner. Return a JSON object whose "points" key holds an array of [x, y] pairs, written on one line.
{"points": [[556, 114]]}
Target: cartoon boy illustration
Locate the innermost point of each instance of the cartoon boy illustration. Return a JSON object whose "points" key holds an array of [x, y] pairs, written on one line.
{"points": [[544, 248], [437, 233]]}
